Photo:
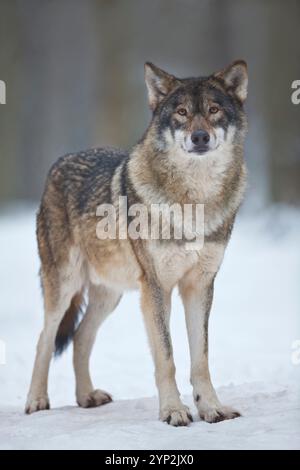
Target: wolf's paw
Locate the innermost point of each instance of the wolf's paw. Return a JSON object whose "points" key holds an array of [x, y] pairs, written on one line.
{"points": [[176, 416], [37, 404], [219, 413], [94, 399]]}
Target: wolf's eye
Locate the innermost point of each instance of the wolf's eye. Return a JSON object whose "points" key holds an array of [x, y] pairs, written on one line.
{"points": [[213, 109], [182, 112]]}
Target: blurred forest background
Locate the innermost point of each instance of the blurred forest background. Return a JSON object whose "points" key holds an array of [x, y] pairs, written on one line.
{"points": [[74, 76]]}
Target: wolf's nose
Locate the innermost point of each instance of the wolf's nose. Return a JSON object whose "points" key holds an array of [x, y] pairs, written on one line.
{"points": [[200, 137]]}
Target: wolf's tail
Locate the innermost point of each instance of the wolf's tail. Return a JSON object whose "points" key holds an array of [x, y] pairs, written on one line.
{"points": [[69, 323]]}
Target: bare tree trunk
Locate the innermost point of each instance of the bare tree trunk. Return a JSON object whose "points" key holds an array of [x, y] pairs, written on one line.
{"points": [[283, 117], [10, 125]]}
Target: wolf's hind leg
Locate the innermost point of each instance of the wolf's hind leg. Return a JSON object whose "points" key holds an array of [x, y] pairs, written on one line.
{"points": [[59, 290], [102, 301]]}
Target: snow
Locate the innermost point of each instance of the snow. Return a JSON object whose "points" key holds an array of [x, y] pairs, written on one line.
{"points": [[255, 324], [132, 424]]}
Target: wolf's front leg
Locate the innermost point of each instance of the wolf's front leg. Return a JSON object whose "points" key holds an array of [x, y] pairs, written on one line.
{"points": [[156, 305], [196, 290]]}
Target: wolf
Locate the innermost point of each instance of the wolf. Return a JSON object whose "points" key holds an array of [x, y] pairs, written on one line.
{"points": [[191, 153]]}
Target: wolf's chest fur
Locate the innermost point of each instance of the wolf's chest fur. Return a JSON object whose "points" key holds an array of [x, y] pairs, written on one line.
{"points": [[216, 184]]}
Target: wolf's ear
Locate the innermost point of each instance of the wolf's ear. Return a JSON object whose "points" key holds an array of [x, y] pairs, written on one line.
{"points": [[235, 78], [159, 84]]}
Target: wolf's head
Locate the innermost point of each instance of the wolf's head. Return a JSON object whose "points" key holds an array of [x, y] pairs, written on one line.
{"points": [[197, 115]]}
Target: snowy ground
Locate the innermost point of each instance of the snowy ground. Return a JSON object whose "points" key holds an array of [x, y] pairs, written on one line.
{"points": [[254, 323]]}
